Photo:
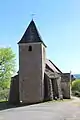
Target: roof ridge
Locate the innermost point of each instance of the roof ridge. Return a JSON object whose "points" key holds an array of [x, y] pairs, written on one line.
{"points": [[55, 66]]}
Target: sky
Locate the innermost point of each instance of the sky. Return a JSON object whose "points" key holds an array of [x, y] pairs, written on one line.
{"points": [[58, 22]]}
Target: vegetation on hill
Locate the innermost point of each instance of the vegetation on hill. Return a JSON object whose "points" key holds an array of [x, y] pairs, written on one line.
{"points": [[76, 87], [7, 69], [77, 76]]}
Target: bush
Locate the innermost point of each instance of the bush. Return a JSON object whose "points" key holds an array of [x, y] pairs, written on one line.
{"points": [[76, 93], [4, 94], [76, 88]]}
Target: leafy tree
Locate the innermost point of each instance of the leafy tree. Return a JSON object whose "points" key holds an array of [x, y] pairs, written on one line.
{"points": [[7, 67]]}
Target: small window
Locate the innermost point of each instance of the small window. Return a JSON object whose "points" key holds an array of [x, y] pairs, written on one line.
{"points": [[30, 48]]}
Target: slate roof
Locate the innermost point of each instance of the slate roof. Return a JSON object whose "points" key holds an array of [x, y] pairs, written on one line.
{"points": [[31, 35]]}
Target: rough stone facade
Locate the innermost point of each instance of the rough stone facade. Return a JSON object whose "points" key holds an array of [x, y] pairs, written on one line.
{"points": [[65, 85], [38, 78], [31, 73], [14, 90]]}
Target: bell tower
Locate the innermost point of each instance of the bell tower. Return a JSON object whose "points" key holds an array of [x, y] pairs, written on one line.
{"points": [[32, 56]]}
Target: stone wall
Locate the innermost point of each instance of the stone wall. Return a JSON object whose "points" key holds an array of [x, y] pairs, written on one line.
{"points": [[14, 90], [48, 90], [55, 88], [31, 73], [65, 84], [59, 87], [57, 91]]}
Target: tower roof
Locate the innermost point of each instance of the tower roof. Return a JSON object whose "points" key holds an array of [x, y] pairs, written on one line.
{"points": [[31, 35]]}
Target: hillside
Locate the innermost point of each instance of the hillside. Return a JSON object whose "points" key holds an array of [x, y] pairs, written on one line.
{"points": [[77, 76]]}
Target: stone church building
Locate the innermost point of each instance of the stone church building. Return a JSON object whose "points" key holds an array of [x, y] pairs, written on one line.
{"points": [[38, 78]]}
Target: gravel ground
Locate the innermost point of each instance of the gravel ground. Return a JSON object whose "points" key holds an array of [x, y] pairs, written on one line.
{"points": [[65, 110]]}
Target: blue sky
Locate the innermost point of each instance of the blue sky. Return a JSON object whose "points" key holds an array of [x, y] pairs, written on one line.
{"points": [[58, 22]]}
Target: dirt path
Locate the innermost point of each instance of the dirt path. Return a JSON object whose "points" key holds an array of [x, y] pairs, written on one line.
{"points": [[66, 110]]}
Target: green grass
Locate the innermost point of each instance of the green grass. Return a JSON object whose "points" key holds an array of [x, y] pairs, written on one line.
{"points": [[2, 100]]}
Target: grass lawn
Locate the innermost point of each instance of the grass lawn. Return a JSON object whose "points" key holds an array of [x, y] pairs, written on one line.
{"points": [[3, 100]]}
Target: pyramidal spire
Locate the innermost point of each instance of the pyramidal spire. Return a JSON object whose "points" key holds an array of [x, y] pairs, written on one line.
{"points": [[31, 34]]}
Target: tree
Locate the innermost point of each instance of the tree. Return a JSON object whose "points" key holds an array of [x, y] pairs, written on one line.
{"points": [[7, 67]]}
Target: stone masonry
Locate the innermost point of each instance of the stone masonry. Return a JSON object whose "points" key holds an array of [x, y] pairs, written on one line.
{"points": [[38, 78]]}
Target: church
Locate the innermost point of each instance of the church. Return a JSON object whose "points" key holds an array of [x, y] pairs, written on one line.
{"points": [[38, 78]]}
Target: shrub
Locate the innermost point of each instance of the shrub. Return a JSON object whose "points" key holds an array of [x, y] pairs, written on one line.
{"points": [[4, 94], [76, 93], [76, 88]]}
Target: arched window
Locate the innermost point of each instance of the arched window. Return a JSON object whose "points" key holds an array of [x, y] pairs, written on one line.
{"points": [[30, 48]]}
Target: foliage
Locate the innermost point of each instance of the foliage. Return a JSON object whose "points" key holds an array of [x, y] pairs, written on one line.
{"points": [[4, 94], [7, 66], [76, 87]]}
